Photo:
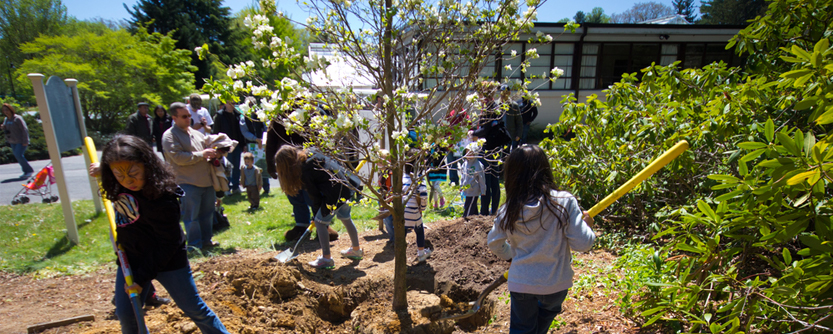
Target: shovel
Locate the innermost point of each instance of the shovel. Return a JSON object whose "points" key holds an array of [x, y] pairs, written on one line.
{"points": [[291, 253], [660, 162]]}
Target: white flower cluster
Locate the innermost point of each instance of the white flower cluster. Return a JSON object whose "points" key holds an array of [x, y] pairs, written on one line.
{"points": [[557, 72], [239, 70], [532, 53], [254, 21]]}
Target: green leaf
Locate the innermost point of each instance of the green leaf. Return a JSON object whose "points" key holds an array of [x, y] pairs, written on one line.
{"points": [[751, 145], [728, 196], [788, 143], [724, 178], [821, 46], [769, 130], [743, 169], [796, 73], [809, 143], [707, 210], [812, 242], [826, 118], [688, 248], [800, 53], [715, 328], [800, 177], [653, 311], [752, 155], [788, 259], [806, 103]]}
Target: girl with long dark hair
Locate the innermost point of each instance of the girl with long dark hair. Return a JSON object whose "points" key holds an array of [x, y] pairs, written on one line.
{"points": [[536, 229], [145, 197], [297, 170]]}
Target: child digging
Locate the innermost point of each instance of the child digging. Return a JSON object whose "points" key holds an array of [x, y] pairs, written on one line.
{"points": [[251, 179], [536, 229], [145, 197]]}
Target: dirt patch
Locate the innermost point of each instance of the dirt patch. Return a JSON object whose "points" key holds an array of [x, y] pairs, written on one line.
{"points": [[252, 293]]}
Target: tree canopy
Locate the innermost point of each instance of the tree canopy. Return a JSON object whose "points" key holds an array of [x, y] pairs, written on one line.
{"points": [[192, 23], [596, 15], [22, 21], [115, 70], [642, 11], [686, 9], [737, 12]]}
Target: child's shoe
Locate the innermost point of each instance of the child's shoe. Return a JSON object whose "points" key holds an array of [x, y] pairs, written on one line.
{"points": [[425, 255], [323, 263], [442, 202], [352, 254]]}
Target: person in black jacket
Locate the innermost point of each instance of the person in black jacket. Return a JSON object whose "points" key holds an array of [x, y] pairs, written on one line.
{"points": [[276, 138], [229, 121], [145, 197], [161, 122], [491, 128], [312, 172], [529, 113], [138, 124]]}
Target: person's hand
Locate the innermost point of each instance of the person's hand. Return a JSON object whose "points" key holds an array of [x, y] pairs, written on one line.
{"points": [[209, 153], [95, 169], [517, 138], [25, 145], [134, 286], [587, 218], [259, 143]]}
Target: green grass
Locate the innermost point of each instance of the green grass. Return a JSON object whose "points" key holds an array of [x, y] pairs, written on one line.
{"points": [[34, 235]]}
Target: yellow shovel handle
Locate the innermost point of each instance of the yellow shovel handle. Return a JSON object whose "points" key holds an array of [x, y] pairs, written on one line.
{"points": [[660, 162]]}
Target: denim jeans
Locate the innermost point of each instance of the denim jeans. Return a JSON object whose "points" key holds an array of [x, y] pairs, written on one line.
{"points": [[453, 177], [525, 133], [533, 314], [234, 158], [198, 214], [322, 222], [489, 203], [181, 287], [300, 208], [18, 150], [389, 227], [265, 184]]}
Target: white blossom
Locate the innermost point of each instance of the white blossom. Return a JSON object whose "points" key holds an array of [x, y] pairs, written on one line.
{"points": [[557, 72]]}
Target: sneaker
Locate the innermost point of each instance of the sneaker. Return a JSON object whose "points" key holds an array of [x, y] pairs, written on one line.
{"points": [[442, 202], [26, 175], [424, 256], [155, 301], [323, 263], [353, 254]]}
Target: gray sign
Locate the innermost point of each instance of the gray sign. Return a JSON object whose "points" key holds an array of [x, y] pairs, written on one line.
{"points": [[62, 111]]}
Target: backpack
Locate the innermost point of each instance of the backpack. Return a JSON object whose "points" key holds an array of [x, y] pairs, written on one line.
{"points": [[498, 135]]}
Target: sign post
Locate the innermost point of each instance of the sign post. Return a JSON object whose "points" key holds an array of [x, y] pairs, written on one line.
{"points": [[62, 129], [73, 85]]}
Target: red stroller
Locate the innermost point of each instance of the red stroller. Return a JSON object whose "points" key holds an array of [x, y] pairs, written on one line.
{"points": [[40, 185]]}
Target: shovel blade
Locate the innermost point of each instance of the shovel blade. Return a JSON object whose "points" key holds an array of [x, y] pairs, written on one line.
{"points": [[285, 256]]}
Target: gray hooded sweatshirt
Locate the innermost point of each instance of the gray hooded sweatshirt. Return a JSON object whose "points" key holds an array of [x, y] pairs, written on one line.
{"points": [[539, 248]]}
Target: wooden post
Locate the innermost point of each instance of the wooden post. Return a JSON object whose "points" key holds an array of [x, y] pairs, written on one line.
{"points": [[54, 155], [73, 84]]}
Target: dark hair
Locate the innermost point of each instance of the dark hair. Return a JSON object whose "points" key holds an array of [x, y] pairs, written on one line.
{"points": [[159, 177], [248, 155], [159, 106], [288, 163], [10, 108], [528, 175], [175, 106]]}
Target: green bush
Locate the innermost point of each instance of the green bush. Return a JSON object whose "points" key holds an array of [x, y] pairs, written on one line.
{"points": [[743, 218]]}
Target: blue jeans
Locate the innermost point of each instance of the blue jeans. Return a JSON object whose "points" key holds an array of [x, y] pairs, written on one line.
{"points": [[18, 150], [181, 287], [532, 314], [198, 214], [266, 185], [489, 203], [525, 133], [234, 158], [300, 207]]}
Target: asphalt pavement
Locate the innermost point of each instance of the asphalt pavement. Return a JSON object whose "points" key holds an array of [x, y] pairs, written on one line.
{"points": [[75, 171]]}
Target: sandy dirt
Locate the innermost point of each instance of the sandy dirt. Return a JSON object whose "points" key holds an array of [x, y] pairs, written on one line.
{"points": [[252, 293]]}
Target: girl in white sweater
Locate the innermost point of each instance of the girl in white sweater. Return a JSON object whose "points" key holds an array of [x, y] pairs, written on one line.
{"points": [[536, 229]]}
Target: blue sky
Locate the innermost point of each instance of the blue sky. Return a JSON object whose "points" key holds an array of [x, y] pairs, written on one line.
{"points": [[551, 11]]}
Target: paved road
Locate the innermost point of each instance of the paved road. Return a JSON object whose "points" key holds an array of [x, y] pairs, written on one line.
{"points": [[75, 171]]}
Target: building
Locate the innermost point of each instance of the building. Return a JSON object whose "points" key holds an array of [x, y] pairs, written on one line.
{"points": [[596, 56]]}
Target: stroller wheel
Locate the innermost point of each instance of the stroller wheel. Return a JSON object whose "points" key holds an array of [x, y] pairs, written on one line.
{"points": [[24, 200], [15, 201], [45, 200], [54, 199]]}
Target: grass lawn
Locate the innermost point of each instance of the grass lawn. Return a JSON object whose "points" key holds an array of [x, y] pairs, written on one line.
{"points": [[34, 235]]}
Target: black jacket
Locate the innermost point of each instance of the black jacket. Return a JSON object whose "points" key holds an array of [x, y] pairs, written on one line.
{"points": [[229, 123], [324, 192], [150, 233], [139, 126], [276, 137], [491, 128], [160, 124], [528, 111]]}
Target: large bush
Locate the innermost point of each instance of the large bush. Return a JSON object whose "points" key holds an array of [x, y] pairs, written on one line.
{"points": [[743, 217]]}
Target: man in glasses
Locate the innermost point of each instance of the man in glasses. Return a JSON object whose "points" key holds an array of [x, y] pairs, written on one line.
{"points": [[186, 152]]}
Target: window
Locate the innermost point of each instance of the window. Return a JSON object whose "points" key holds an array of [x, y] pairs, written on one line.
{"points": [[615, 60], [539, 67], [587, 77], [563, 59], [514, 63], [669, 54]]}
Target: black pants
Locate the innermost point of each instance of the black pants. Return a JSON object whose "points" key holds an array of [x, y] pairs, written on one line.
{"points": [[470, 207], [492, 198]]}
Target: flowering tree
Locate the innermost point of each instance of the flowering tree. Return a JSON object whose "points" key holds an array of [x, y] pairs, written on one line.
{"points": [[426, 59]]}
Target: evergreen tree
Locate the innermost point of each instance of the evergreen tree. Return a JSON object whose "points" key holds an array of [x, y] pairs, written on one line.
{"points": [[193, 23], [597, 15], [730, 11], [686, 9]]}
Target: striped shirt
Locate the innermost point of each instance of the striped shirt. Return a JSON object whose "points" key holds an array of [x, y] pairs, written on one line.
{"points": [[413, 210]]}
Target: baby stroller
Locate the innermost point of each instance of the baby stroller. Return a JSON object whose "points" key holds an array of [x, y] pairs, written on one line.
{"points": [[40, 185]]}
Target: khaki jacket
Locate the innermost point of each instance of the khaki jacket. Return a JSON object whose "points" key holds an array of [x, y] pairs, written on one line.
{"points": [[183, 150]]}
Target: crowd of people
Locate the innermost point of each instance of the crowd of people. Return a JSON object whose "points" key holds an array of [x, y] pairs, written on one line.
{"points": [[536, 228]]}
